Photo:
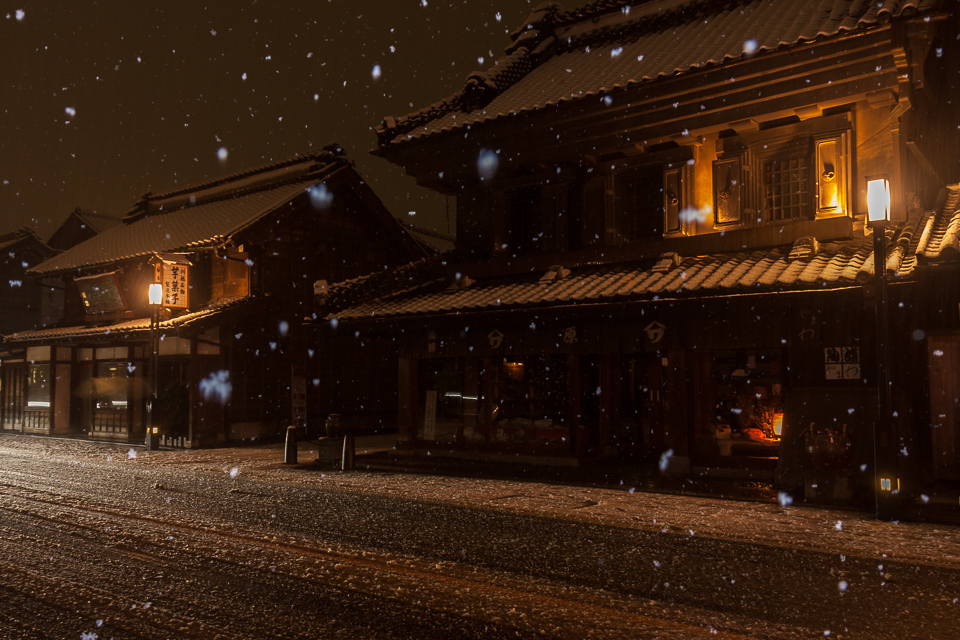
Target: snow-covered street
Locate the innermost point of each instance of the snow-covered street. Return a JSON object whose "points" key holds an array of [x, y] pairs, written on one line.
{"points": [[104, 541]]}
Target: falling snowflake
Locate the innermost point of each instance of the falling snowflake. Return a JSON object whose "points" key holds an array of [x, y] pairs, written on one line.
{"points": [[132, 454], [665, 460], [750, 46], [217, 386], [234, 472], [70, 111], [20, 14], [375, 73], [487, 164], [784, 499], [320, 197]]}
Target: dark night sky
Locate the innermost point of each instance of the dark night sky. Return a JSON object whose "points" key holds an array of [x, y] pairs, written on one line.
{"points": [[104, 101]]}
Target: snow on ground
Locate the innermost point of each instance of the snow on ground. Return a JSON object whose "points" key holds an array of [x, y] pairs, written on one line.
{"points": [[831, 530]]}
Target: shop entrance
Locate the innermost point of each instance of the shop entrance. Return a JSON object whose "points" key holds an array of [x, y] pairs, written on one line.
{"points": [[740, 408]]}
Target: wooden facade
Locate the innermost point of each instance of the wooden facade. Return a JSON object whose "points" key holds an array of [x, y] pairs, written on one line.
{"points": [[26, 303], [739, 177], [238, 258]]}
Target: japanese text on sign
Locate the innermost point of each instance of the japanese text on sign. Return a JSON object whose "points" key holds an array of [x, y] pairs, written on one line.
{"points": [[175, 285]]}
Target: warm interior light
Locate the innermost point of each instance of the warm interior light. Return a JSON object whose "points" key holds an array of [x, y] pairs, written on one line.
{"points": [[778, 424], [514, 370], [889, 484], [156, 293], [878, 200]]}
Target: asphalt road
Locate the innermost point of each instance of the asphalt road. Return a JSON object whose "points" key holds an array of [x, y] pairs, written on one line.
{"points": [[101, 541]]}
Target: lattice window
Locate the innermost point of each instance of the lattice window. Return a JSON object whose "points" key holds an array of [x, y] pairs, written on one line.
{"points": [[786, 188]]}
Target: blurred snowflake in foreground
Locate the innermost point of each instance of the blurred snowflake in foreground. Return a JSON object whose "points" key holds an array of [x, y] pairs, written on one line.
{"points": [[217, 386], [320, 197], [487, 164], [665, 459]]}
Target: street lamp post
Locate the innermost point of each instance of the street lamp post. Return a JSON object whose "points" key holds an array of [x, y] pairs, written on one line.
{"points": [[886, 481], [155, 294]]}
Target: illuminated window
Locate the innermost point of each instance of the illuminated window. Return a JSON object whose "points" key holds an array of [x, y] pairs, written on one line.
{"points": [[785, 188], [728, 191], [38, 386], [776, 174]]}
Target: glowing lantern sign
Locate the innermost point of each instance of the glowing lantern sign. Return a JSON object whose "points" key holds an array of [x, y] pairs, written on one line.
{"points": [[175, 278]]}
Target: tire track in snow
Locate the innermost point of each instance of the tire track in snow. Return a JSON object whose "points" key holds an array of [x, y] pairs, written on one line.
{"points": [[396, 580]]}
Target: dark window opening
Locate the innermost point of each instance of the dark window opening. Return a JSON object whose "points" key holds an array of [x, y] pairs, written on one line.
{"points": [[639, 210], [525, 219]]}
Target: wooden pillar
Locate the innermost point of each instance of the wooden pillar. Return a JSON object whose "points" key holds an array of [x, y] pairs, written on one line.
{"points": [[579, 438], [407, 398], [675, 431], [609, 396], [653, 443], [193, 374], [487, 376]]}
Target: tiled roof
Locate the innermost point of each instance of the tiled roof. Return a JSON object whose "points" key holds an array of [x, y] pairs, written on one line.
{"points": [[22, 234], [562, 56], [941, 236], [24, 237], [836, 264], [127, 327], [97, 221], [207, 216]]}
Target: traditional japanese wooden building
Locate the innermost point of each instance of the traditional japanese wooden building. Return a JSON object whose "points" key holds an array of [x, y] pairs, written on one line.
{"points": [[662, 254], [238, 258], [80, 225], [25, 301]]}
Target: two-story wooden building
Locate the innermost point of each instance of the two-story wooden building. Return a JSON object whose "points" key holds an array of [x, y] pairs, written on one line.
{"points": [[661, 249], [238, 258]]}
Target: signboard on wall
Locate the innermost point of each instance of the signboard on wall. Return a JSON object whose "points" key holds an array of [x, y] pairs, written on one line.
{"points": [[100, 293], [430, 416], [175, 284], [841, 363]]}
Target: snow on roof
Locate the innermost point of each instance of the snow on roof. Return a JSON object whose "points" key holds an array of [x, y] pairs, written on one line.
{"points": [[132, 326], [205, 215], [99, 222], [562, 56], [836, 264]]}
